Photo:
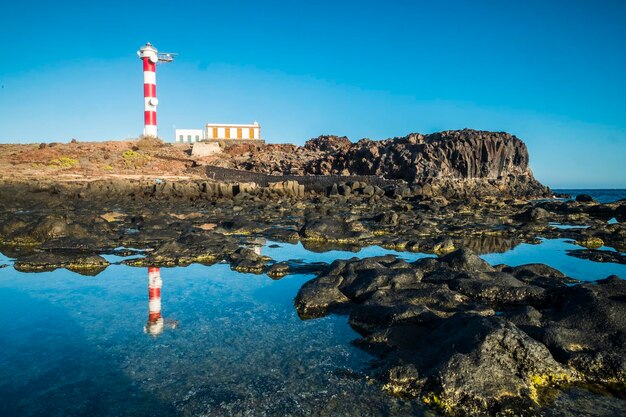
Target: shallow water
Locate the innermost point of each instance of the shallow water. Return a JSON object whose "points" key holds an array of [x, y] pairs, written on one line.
{"points": [[232, 343], [566, 226], [75, 345], [553, 252]]}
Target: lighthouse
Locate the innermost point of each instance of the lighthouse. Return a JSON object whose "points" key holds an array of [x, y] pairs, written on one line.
{"points": [[150, 56]]}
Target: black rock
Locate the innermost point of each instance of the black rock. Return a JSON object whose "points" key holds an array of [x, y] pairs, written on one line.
{"points": [[469, 365], [434, 325], [540, 275], [320, 296], [584, 198], [465, 260], [333, 229], [585, 328], [534, 215], [498, 290], [421, 303]]}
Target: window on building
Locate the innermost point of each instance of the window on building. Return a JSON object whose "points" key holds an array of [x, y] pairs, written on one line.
{"points": [[197, 138], [181, 137], [189, 138]]}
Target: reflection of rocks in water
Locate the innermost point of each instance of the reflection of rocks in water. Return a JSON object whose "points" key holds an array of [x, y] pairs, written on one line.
{"points": [[295, 267], [598, 255], [48, 261], [247, 260], [278, 270], [490, 244], [156, 323], [322, 246], [256, 244], [192, 247]]}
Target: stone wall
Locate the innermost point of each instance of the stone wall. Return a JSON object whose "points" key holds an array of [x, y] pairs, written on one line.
{"points": [[317, 183], [201, 149]]}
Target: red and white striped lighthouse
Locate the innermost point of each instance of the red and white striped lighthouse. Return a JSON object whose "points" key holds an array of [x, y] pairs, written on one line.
{"points": [[155, 320], [149, 56]]}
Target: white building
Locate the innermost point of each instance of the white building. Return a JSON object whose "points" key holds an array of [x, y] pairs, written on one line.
{"points": [[188, 135], [217, 131]]}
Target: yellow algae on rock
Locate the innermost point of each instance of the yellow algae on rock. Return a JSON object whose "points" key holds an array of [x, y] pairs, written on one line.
{"points": [[591, 242], [539, 381], [435, 401]]}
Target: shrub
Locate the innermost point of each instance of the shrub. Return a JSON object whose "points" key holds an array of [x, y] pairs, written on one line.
{"points": [[130, 157], [63, 162], [134, 159], [149, 142]]}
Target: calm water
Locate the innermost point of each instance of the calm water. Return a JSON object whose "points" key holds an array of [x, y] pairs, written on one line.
{"points": [[602, 196], [231, 343]]}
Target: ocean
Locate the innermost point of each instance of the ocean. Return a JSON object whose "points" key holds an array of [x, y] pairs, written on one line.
{"points": [[601, 196]]}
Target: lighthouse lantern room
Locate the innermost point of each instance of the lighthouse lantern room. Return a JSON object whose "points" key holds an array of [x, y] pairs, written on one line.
{"points": [[150, 57]]}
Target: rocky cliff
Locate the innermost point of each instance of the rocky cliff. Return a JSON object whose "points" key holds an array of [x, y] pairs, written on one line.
{"points": [[456, 162]]}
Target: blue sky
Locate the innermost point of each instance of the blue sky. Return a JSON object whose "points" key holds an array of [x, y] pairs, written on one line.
{"points": [[551, 73]]}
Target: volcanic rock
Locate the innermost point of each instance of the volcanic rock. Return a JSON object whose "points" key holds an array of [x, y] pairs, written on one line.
{"points": [[585, 328], [470, 365], [333, 229], [456, 163], [584, 198], [434, 325], [534, 214]]}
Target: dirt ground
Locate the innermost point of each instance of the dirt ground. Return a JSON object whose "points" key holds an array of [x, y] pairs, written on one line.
{"points": [[144, 157], [139, 158]]}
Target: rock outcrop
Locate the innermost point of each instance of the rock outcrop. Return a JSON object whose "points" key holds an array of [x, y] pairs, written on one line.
{"points": [[456, 161], [460, 154], [471, 339]]}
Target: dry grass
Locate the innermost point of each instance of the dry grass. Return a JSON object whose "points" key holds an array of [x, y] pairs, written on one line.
{"points": [[144, 155], [146, 143]]}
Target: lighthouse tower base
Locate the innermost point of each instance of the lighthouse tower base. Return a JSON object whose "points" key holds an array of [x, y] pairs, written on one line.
{"points": [[150, 131]]}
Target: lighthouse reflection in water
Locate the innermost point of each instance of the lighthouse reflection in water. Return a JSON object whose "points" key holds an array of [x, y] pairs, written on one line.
{"points": [[156, 323]]}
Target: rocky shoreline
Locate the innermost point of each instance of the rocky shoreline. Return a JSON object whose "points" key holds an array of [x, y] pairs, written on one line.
{"points": [[179, 222], [471, 339], [454, 164], [451, 330]]}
